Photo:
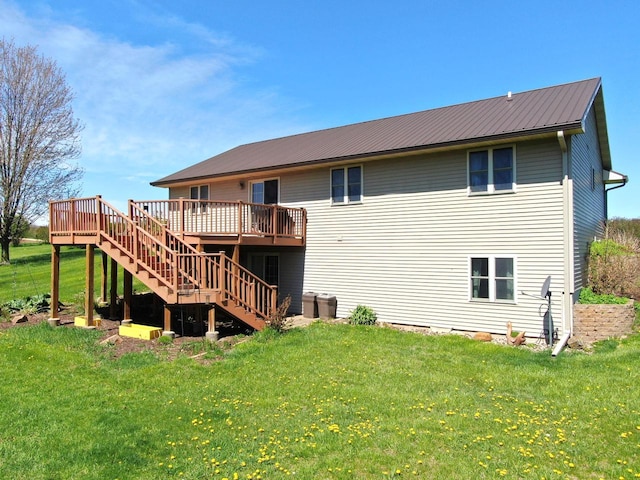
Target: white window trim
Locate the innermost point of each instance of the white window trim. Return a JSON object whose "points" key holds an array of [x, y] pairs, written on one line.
{"points": [[345, 169], [492, 279], [262, 180], [490, 185]]}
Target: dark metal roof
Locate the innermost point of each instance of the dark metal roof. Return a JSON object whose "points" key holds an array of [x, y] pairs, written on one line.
{"points": [[562, 107]]}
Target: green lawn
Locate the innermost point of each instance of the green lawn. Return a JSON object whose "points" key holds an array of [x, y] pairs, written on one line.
{"points": [[328, 402], [29, 273]]}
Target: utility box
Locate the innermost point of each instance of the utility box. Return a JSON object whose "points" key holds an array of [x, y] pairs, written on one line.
{"points": [[327, 306], [309, 305]]}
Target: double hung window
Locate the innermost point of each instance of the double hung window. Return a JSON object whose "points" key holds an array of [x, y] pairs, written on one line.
{"points": [[493, 278], [346, 185], [200, 192], [492, 170]]}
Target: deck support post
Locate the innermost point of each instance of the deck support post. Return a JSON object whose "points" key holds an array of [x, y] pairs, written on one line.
{"points": [[127, 294], [54, 319], [113, 293], [167, 323], [212, 334], [103, 278], [90, 285]]}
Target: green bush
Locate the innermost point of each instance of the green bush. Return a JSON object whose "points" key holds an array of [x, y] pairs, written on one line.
{"points": [[602, 248], [587, 296], [363, 315]]}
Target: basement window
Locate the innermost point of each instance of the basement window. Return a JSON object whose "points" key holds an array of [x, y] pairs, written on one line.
{"points": [[492, 278], [491, 170]]}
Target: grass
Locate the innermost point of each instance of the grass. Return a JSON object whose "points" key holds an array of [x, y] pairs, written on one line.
{"points": [[29, 273], [328, 401]]}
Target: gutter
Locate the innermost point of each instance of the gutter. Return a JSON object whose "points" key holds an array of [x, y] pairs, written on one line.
{"points": [[612, 178]]}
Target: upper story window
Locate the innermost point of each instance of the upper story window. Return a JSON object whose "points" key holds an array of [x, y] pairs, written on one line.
{"points": [[199, 192], [493, 278], [346, 185], [265, 191], [492, 170]]}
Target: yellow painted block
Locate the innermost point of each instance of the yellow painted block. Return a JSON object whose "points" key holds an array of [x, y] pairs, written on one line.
{"points": [[143, 332], [82, 322]]}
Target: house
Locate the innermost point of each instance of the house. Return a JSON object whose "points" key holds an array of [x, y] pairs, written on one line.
{"points": [[450, 218]]}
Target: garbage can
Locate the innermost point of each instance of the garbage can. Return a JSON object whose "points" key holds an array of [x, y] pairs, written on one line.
{"points": [[327, 306], [309, 305]]}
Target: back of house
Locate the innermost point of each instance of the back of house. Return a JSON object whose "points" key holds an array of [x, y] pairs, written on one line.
{"points": [[449, 218]]}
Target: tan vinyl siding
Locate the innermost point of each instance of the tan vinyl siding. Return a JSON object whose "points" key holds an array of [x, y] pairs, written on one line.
{"points": [[588, 203], [405, 250], [228, 190]]}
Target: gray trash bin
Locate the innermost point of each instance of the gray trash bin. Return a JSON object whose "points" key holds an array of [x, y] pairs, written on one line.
{"points": [[327, 306], [309, 305]]}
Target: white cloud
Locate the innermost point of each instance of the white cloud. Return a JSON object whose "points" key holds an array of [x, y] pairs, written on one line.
{"points": [[149, 110]]}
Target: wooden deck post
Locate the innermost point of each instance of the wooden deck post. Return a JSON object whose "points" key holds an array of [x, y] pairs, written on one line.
{"points": [[222, 286], [212, 334], [128, 294], [55, 284], [103, 278], [113, 294], [274, 299], [167, 322], [90, 286]]}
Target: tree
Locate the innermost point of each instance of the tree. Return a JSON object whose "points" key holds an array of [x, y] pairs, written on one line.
{"points": [[20, 228], [38, 137]]}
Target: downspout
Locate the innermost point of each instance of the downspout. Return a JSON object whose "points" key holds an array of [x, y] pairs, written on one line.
{"points": [[568, 247], [606, 195]]}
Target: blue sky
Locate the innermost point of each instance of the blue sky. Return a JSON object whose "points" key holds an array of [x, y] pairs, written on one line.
{"points": [[163, 84]]}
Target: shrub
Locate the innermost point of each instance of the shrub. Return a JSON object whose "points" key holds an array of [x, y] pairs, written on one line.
{"points": [[363, 315], [29, 305], [614, 264], [630, 226], [587, 296], [278, 319]]}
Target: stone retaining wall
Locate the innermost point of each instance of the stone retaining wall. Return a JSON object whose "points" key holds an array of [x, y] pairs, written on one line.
{"points": [[599, 322]]}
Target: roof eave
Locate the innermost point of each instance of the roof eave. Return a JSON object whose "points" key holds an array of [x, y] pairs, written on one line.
{"points": [[551, 130]]}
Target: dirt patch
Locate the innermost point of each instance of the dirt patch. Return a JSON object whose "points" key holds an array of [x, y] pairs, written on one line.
{"points": [[197, 347]]}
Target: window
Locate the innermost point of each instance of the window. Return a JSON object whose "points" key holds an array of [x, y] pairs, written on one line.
{"points": [[346, 185], [493, 279], [265, 191], [200, 192], [492, 170]]}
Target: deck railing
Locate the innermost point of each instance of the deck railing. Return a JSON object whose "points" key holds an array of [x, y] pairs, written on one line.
{"points": [[150, 245], [210, 217]]}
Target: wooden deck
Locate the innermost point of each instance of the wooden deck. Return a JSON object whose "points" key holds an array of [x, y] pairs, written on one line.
{"points": [[157, 240]]}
